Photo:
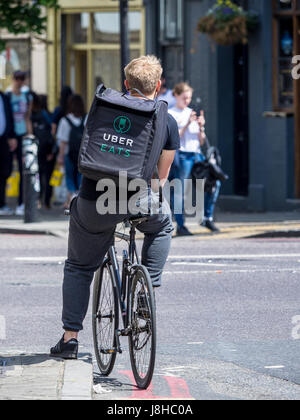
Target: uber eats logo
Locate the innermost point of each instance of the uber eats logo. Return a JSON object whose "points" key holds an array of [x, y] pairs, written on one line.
{"points": [[122, 124], [118, 145]]}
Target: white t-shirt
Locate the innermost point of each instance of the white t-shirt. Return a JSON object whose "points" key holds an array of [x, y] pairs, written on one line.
{"points": [[190, 139], [64, 129], [168, 97]]}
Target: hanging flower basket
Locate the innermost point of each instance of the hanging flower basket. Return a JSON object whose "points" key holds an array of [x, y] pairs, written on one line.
{"points": [[228, 24]]}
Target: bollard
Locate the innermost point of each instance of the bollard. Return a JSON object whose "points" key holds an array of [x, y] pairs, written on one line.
{"points": [[31, 179]]}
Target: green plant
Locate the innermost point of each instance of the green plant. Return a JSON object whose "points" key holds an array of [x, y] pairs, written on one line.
{"points": [[22, 16], [227, 23]]}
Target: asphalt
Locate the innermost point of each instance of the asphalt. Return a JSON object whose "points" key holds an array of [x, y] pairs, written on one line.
{"points": [[21, 374]]}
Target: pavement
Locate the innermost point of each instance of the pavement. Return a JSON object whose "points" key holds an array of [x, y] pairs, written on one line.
{"points": [[232, 225], [23, 375], [38, 377]]}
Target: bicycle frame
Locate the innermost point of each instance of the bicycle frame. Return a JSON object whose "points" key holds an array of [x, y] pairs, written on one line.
{"points": [[122, 284]]}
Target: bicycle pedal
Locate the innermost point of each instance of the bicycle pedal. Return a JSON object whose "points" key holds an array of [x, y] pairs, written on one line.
{"points": [[108, 351]]}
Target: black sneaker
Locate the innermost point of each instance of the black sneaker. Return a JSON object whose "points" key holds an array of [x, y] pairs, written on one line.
{"points": [[209, 224], [183, 231], [64, 350]]}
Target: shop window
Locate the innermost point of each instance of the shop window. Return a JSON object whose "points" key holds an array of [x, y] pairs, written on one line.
{"points": [[286, 26], [91, 48], [106, 27], [79, 24], [16, 56], [106, 67]]}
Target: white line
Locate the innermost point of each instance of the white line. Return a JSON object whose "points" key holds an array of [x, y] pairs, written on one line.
{"points": [[275, 367], [203, 264], [279, 270], [232, 256], [2, 328], [176, 257], [41, 259]]}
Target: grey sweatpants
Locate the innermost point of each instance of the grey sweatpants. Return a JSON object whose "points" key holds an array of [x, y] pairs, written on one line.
{"points": [[90, 236]]}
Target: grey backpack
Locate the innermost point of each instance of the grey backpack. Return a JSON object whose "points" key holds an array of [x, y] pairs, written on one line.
{"points": [[122, 133]]}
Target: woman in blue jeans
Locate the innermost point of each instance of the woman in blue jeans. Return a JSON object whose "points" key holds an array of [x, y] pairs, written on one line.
{"points": [[192, 135]]}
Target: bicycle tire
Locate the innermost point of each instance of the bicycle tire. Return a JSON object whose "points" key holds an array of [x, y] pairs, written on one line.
{"points": [[105, 342], [143, 328]]}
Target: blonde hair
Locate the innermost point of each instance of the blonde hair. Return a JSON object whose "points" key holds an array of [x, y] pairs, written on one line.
{"points": [[181, 88], [144, 73]]}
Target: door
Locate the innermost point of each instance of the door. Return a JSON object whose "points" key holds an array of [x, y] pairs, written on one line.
{"points": [[241, 123]]}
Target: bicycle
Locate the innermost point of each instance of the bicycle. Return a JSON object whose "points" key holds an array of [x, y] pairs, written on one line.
{"points": [[129, 293]]}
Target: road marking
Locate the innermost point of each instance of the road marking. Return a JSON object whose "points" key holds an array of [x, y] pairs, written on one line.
{"points": [[262, 270], [40, 259], [178, 389], [203, 264], [2, 328], [196, 343], [231, 256], [275, 367]]}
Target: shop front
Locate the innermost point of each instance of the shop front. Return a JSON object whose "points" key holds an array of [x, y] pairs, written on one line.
{"points": [[84, 45], [252, 103]]}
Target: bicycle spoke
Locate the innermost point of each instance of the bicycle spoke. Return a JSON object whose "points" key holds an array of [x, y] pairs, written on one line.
{"points": [[142, 340], [104, 323]]}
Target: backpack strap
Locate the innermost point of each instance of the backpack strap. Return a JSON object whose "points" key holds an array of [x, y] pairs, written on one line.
{"points": [[74, 125], [69, 121]]}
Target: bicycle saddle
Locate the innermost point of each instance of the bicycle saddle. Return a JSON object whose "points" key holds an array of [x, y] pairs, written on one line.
{"points": [[139, 218]]}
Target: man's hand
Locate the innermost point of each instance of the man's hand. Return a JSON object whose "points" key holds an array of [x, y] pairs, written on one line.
{"points": [[12, 144]]}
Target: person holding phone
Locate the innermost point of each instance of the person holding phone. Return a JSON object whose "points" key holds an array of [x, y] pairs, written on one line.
{"points": [[192, 136]]}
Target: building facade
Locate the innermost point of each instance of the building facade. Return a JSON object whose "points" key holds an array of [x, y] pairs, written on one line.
{"points": [[250, 99], [84, 45], [249, 96], [24, 52]]}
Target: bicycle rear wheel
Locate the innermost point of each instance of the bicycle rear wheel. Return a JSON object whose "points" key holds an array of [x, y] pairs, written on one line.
{"points": [[105, 319], [142, 340]]}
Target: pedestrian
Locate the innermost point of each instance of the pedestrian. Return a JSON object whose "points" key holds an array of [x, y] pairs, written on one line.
{"points": [[21, 104], [8, 144], [191, 129], [91, 233], [41, 125], [45, 110], [209, 168], [69, 135], [166, 94], [61, 110]]}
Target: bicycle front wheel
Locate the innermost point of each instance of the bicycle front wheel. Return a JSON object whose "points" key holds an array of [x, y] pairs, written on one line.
{"points": [[142, 340], [105, 319]]}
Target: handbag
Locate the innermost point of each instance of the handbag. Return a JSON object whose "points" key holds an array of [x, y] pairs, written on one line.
{"points": [[57, 176]]}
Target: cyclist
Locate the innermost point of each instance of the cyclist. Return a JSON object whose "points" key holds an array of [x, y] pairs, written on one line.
{"points": [[91, 234]]}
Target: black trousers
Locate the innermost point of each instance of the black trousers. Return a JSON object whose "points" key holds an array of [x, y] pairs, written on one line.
{"points": [[45, 171], [5, 168], [90, 236]]}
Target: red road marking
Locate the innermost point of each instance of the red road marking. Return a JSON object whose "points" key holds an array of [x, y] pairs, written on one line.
{"points": [[178, 389]]}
